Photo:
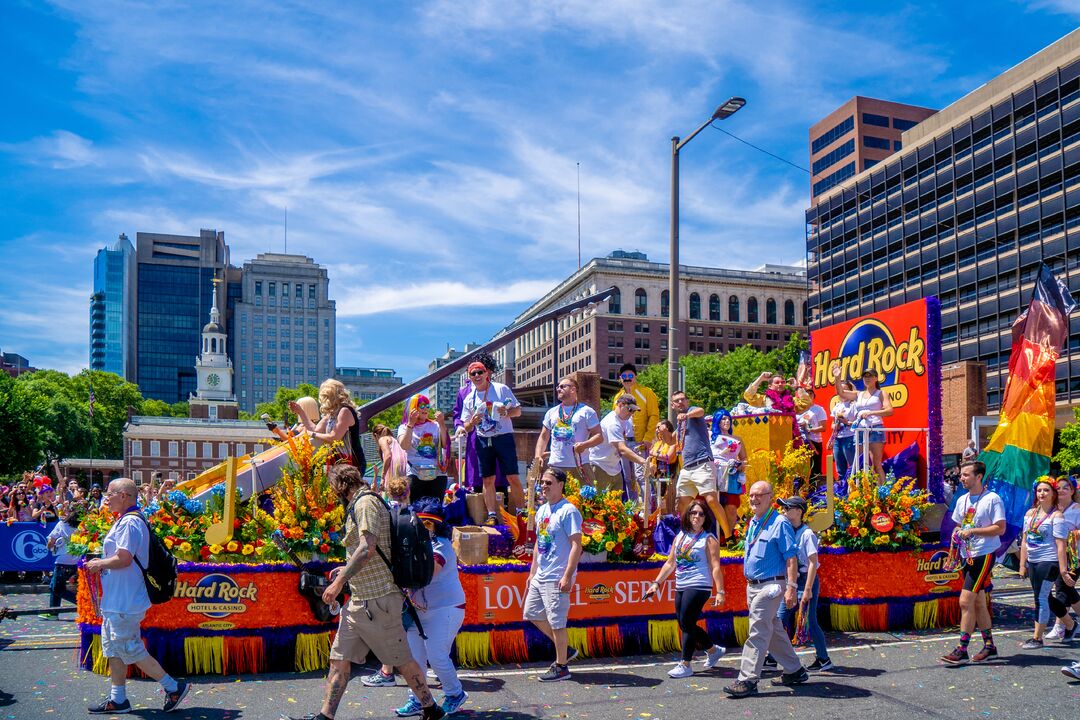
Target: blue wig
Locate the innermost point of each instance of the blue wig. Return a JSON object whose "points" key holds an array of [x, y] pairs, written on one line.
{"points": [[717, 416]]}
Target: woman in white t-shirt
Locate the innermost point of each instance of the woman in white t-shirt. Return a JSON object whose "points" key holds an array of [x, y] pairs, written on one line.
{"points": [[871, 404], [426, 442], [843, 437], [1040, 555]]}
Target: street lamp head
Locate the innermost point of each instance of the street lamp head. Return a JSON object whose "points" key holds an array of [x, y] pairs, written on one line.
{"points": [[729, 108]]}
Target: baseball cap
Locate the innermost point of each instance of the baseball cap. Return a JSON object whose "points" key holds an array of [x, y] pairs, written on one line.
{"points": [[793, 502]]}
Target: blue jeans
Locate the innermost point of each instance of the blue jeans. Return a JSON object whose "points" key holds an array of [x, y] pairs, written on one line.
{"points": [[58, 586], [787, 616], [844, 454]]}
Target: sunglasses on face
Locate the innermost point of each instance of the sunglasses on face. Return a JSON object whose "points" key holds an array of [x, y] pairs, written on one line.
{"points": [[627, 376], [545, 483], [423, 407], [565, 387], [476, 373]]}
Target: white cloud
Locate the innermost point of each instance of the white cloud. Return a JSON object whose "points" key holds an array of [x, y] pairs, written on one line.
{"points": [[440, 293], [60, 150]]}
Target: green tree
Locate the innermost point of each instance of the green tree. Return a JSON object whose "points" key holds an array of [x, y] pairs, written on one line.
{"points": [[654, 377], [1068, 455], [20, 439], [278, 408], [390, 417], [787, 357], [156, 408], [180, 409]]}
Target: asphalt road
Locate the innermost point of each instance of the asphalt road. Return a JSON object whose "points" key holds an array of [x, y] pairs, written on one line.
{"points": [[879, 675]]}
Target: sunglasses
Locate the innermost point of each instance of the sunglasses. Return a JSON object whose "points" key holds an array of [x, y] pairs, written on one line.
{"points": [[545, 483], [476, 373], [627, 376], [564, 387], [423, 407]]}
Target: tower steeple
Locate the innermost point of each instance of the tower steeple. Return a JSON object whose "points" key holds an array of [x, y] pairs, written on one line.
{"points": [[214, 396]]}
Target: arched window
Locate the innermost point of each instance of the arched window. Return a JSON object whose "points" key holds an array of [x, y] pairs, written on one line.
{"points": [[695, 306], [714, 307], [733, 309], [770, 311], [789, 312], [665, 304], [751, 310], [614, 303], [805, 313], [213, 345], [641, 302]]}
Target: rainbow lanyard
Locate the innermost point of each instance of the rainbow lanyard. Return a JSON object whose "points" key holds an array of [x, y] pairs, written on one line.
{"points": [[1033, 527], [760, 526], [688, 544]]}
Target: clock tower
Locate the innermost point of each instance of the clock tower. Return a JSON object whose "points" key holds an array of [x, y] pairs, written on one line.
{"points": [[214, 398]]}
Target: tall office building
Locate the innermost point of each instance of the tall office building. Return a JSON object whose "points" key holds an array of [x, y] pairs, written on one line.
{"points": [[856, 136], [284, 327], [443, 394], [721, 311], [980, 195], [174, 289], [112, 314]]}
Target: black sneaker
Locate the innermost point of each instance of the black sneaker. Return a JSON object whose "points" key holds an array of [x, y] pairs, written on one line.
{"points": [[1032, 644], [172, 699], [435, 712], [555, 673], [790, 679], [1069, 635], [741, 689], [820, 666], [770, 661], [110, 707]]}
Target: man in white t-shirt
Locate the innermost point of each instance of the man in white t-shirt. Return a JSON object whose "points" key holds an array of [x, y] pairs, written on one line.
{"points": [[980, 519], [607, 457], [488, 409], [554, 568], [124, 602], [570, 429], [812, 421]]}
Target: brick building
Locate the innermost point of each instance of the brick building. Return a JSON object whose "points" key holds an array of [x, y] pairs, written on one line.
{"points": [[722, 310], [181, 448]]}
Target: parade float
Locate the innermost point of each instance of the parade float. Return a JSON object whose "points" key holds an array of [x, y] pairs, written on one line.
{"points": [[242, 605]]}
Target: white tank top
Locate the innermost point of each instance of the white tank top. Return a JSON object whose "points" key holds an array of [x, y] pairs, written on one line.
{"points": [[870, 403]]}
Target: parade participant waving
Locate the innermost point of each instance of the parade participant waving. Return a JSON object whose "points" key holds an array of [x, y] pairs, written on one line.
{"points": [[698, 474], [488, 410], [607, 457], [425, 441], [870, 405], [440, 606], [649, 415], [1040, 555], [338, 423], [770, 563], [554, 567], [570, 429], [695, 560], [980, 517], [778, 395]]}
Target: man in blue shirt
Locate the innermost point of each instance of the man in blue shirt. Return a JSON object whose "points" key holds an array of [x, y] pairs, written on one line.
{"points": [[769, 559]]}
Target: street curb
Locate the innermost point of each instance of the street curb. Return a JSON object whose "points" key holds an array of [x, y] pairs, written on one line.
{"points": [[23, 588]]}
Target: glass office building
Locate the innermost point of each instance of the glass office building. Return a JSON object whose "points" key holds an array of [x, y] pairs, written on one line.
{"points": [[111, 316], [981, 193], [174, 297]]}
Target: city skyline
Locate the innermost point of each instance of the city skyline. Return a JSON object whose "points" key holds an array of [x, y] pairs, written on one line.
{"points": [[411, 148]]}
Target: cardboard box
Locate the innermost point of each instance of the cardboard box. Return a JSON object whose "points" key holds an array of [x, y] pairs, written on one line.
{"points": [[474, 503], [470, 544]]}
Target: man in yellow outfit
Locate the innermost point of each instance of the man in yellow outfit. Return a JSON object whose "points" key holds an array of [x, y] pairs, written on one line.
{"points": [[648, 414]]}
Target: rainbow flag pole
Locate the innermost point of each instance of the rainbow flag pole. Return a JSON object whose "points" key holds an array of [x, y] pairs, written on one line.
{"points": [[1019, 450]]}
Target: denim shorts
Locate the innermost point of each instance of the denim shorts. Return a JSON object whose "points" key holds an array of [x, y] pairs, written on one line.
{"points": [[877, 436]]}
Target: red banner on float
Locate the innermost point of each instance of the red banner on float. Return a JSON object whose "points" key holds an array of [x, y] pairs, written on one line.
{"points": [[899, 345]]}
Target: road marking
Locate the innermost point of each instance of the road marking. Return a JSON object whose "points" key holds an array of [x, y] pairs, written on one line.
{"points": [[735, 657]]}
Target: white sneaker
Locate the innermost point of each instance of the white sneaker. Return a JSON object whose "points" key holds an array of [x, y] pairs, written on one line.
{"points": [[1056, 633], [713, 656], [1072, 671], [680, 671]]}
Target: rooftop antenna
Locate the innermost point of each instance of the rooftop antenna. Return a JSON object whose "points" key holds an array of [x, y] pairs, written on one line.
{"points": [[579, 216]]}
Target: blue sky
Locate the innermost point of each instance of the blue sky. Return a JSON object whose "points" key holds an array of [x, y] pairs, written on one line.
{"points": [[427, 152]]}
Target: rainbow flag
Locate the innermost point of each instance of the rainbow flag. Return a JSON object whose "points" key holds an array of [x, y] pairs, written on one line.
{"points": [[1019, 450]]}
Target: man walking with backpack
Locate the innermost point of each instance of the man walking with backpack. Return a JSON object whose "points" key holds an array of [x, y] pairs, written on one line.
{"points": [[124, 602], [372, 618]]}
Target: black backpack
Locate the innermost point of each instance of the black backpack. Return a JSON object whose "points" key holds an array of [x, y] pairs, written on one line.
{"points": [[411, 561], [159, 575]]}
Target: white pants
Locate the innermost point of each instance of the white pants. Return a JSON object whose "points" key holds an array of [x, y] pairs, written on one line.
{"points": [[441, 626]]}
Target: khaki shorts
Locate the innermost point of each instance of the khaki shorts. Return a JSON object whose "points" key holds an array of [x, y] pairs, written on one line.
{"points": [[121, 637], [605, 482], [545, 602], [381, 633], [698, 481]]}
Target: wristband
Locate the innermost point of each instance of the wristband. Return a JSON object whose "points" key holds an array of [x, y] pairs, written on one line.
{"points": [[793, 586]]}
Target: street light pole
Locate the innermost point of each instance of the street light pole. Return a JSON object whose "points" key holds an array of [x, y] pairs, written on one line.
{"points": [[726, 110]]}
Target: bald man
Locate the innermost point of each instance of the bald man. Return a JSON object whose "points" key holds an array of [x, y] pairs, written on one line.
{"points": [[124, 602], [771, 566]]}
